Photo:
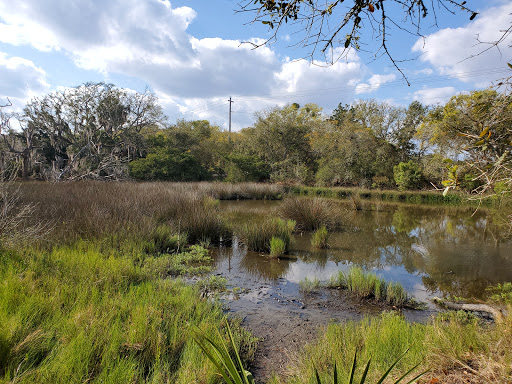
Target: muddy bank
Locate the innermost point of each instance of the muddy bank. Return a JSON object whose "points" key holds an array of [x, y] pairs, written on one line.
{"points": [[284, 318]]}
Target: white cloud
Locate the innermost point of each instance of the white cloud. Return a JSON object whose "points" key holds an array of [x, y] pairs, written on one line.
{"points": [[21, 80], [148, 40], [449, 50], [434, 95], [374, 83]]}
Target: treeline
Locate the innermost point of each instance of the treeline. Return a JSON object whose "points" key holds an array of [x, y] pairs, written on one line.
{"points": [[99, 131]]}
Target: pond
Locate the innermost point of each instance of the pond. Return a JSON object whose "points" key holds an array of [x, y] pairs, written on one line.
{"points": [[431, 251]]}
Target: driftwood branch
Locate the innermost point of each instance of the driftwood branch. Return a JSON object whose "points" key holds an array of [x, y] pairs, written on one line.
{"points": [[483, 309]]}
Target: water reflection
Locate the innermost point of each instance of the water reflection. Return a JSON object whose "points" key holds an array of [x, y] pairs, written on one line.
{"points": [[431, 251]]}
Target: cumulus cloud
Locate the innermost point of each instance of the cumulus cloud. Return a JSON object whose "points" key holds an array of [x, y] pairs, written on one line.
{"points": [[434, 95], [456, 51], [21, 80], [148, 40], [374, 83]]}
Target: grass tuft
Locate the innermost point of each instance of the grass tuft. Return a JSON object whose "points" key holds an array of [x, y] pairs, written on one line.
{"points": [[367, 285], [257, 236], [320, 238], [277, 247]]}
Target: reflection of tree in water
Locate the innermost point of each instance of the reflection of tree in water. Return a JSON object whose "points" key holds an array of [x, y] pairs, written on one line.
{"points": [[260, 265], [458, 251], [253, 264]]}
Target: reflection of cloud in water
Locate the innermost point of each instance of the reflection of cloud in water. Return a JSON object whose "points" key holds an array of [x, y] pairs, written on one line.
{"points": [[300, 270], [428, 250]]}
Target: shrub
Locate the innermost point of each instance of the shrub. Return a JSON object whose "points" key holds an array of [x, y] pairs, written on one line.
{"points": [[320, 238], [310, 213], [408, 175]]}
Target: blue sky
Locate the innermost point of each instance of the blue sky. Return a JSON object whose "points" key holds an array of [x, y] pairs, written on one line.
{"points": [[189, 53]]}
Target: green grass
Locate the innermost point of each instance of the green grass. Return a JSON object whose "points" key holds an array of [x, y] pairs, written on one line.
{"points": [[320, 238], [450, 347], [277, 247], [367, 285], [501, 293], [80, 313], [257, 236], [308, 286], [359, 195]]}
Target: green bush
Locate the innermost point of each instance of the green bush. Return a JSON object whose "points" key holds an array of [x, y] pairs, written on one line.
{"points": [[168, 164], [408, 175], [242, 168]]}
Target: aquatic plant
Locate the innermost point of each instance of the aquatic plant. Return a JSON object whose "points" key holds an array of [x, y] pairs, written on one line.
{"points": [[367, 285], [277, 247], [308, 286], [320, 238], [257, 236]]}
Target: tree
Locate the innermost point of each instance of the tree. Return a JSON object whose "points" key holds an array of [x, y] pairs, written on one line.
{"points": [[281, 138], [477, 126], [89, 131], [408, 175], [327, 25]]}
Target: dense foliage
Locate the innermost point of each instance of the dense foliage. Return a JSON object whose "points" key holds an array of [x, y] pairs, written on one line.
{"points": [[98, 131]]}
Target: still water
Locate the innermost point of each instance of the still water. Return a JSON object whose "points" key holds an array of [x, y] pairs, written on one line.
{"points": [[431, 251]]}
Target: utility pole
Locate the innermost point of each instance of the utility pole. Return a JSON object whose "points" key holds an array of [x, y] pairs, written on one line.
{"points": [[230, 102]]}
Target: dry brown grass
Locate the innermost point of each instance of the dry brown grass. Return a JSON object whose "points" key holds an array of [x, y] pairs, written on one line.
{"points": [[91, 209], [311, 213]]}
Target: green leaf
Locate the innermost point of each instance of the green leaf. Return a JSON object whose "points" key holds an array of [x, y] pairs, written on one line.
{"points": [[510, 65], [352, 371], [363, 378]]}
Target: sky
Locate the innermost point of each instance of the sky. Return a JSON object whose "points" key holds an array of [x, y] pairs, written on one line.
{"points": [[194, 55]]}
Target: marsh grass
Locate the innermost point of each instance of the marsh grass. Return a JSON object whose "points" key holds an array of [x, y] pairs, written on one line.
{"points": [[359, 195], [320, 238], [308, 286], [93, 210], [367, 285], [257, 235], [311, 213], [277, 247], [454, 349], [81, 314]]}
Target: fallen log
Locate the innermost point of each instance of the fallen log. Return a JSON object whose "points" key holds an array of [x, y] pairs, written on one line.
{"points": [[483, 310]]}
